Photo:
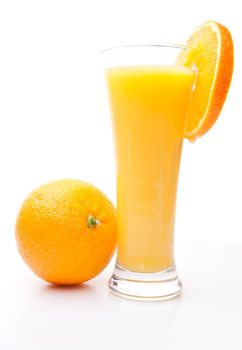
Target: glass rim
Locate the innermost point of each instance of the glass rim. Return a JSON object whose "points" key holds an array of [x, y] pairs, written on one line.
{"points": [[162, 46]]}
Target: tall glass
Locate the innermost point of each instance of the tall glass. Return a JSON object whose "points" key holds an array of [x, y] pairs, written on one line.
{"points": [[149, 97]]}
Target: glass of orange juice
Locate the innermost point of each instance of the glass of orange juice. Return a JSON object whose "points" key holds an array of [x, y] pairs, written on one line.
{"points": [[149, 97]]}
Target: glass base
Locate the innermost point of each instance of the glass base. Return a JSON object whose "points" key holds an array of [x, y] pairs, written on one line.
{"points": [[145, 286]]}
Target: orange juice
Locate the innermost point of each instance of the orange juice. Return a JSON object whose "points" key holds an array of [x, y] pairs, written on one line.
{"points": [[149, 108]]}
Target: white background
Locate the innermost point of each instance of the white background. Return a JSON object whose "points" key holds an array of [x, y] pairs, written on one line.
{"points": [[55, 124]]}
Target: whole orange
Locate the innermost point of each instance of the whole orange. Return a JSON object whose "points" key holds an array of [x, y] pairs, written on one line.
{"points": [[66, 231]]}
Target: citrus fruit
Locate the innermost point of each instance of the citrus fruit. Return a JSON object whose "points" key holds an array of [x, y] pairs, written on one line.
{"points": [[66, 231], [212, 53]]}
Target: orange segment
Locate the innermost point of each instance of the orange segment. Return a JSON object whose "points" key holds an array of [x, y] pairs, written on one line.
{"points": [[212, 54]]}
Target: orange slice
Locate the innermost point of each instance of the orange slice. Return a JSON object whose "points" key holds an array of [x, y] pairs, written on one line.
{"points": [[212, 54]]}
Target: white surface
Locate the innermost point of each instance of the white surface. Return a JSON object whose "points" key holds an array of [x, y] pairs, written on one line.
{"points": [[55, 124], [36, 315]]}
